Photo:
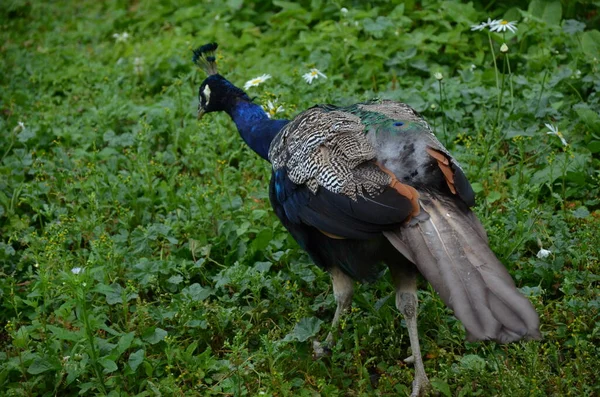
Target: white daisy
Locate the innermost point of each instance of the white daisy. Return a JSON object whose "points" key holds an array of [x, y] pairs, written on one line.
{"points": [[312, 75], [554, 131], [256, 81], [479, 26], [121, 37], [484, 25], [344, 10], [438, 76], [542, 253], [19, 127], [76, 270], [504, 48], [272, 108], [138, 65], [503, 25]]}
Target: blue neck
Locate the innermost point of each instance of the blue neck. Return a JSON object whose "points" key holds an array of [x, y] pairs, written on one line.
{"points": [[255, 127]]}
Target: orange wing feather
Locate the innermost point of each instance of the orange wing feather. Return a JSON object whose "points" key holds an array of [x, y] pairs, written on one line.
{"points": [[444, 165]]}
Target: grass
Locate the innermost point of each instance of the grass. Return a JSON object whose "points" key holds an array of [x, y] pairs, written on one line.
{"points": [[138, 251]]}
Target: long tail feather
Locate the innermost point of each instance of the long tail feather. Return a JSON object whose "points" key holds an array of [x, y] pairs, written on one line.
{"points": [[450, 249]]}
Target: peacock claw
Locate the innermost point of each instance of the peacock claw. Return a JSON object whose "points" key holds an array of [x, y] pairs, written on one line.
{"points": [[420, 387], [321, 350]]}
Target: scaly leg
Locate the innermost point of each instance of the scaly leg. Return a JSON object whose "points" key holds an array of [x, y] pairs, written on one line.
{"points": [[343, 289], [405, 282]]}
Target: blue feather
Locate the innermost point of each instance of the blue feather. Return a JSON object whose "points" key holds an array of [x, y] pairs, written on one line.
{"points": [[255, 127]]}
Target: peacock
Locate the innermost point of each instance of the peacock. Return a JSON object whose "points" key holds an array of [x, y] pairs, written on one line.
{"points": [[368, 185]]}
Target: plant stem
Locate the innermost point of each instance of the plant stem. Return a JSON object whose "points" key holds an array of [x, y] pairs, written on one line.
{"points": [[541, 92], [90, 337], [499, 102], [512, 94], [443, 113], [494, 59]]}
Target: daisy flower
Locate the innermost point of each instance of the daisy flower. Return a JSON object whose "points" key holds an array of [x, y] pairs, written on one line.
{"points": [[438, 76], [256, 81], [504, 48], [503, 25], [272, 108], [484, 25], [554, 131], [121, 37], [19, 127], [312, 75], [543, 253], [138, 65]]}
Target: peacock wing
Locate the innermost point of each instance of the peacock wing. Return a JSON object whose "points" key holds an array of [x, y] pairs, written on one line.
{"points": [[326, 176]]}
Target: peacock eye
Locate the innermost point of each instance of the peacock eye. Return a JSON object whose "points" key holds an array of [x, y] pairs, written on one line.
{"points": [[398, 124]]}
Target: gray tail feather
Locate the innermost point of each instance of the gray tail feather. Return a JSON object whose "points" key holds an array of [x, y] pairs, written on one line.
{"points": [[450, 249]]}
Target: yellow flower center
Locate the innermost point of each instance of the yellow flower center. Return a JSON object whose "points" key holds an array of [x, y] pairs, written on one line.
{"points": [[313, 73], [504, 22]]}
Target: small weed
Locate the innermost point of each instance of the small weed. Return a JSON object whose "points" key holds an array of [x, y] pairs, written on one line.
{"points": [[138, 251]]}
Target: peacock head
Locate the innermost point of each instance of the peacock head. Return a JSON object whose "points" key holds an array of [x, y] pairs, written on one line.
{"points": [[216, 93]]}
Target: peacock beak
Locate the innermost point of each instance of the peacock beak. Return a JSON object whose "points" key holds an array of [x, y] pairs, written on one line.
{"points": [[200, 112]]}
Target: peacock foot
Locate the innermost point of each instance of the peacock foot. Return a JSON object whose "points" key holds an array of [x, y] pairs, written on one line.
{"points": [[420, 386]]}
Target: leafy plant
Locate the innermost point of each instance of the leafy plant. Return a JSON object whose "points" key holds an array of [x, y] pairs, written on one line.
{"points": [[138, 251]]}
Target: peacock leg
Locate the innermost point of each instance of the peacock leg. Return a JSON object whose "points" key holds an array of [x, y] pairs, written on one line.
{"points": [[343, 289], [405, 282]]}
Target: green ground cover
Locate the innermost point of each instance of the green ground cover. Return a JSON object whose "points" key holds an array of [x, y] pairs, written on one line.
{"points": [[138, 251]]}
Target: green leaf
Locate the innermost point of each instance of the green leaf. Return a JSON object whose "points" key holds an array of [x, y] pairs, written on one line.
{"points": [[108, 364], [25, 135], [125, 342], [549, 11], [196, 292], [235, 4], [65, 334], [154, 335], [287, 5], [262, 267], [114, 293], [588, 116], [262, 240], [21, 338], [111, 292], [441, 386], [590, 43], [473, 362], [572, 26], [306, 328], [477, 187], [594, 146], [493, 196], [581, 212], [44, 364], [136, 358], [177, 279]]}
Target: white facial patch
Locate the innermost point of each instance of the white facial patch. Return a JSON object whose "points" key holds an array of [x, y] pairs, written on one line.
{"points": [[206, 93]]}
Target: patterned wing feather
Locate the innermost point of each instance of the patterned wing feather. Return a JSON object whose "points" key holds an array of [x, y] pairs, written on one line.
{"points": [[328, 148]]}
